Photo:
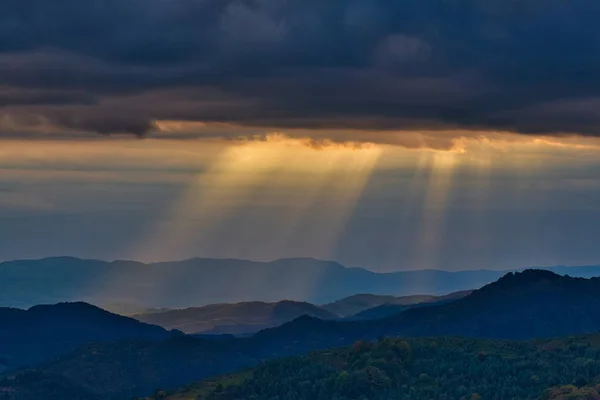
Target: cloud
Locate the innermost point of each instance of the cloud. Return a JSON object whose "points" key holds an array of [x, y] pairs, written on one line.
{"points": [[368, 68]]}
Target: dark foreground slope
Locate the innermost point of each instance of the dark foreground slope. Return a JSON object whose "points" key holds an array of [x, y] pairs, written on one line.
{"points": [[31, 336], [121, 370], [411, 369], [417, 369], [238, 318]]}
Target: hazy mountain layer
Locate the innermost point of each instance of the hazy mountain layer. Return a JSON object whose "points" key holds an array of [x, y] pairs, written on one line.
{"points": [[197, 282], [360, 302], [250, 317], [238, 318], [358, 306]]}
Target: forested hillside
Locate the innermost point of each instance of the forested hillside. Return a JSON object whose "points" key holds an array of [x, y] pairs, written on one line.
{"points": [[419, 369]]}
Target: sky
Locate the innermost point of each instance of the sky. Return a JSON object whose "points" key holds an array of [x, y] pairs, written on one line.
{"points": [[392, 135]]}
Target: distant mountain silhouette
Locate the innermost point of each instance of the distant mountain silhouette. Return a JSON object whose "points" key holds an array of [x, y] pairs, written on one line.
{"points": [[238, 318], [360, 302], [379, 312], [132, 286], [369, 306], [31, 336], [390, 309]]}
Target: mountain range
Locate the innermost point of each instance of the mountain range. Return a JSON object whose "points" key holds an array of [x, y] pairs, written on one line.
{"points": [[135, 286], [523, 305], [250, 317], [390, 308], [238, 318], [352, 305]]}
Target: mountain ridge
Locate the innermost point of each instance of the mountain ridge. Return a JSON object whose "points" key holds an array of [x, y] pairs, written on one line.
{"points": [[523, 305], [45, 331], [235, 318], [202, 281]]}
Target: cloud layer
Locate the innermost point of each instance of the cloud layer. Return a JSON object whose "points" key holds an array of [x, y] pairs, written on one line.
{"points": [[117, 66]]}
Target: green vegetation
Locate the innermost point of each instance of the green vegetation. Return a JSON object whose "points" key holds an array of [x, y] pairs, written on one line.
{"points": [[572, 392], [419, 369]]}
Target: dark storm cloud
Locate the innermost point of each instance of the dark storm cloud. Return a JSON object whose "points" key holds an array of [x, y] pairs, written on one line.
{"points": [[106, 66]]}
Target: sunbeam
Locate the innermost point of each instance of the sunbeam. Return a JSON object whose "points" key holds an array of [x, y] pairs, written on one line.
{"points": [[323, 184], [441, 168]]}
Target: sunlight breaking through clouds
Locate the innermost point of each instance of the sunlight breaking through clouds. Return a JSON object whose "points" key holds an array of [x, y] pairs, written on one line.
{"points": [[257, 172], [441, 167], [264, 196]]}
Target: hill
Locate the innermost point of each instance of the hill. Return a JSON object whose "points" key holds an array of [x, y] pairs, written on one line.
{"points": [[239, 318], [413, 368], [121, 370], [360, 302], [42, 332], [132, 286], [522, 305], [418, 369], [400, 304]]}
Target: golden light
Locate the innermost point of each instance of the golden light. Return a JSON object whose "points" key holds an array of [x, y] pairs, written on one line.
{"points": [[441, 166], [262, 173]]}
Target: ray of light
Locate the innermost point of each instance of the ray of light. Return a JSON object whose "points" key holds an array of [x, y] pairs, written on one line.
{"points": [[481, 189], [327, 183], [441, 167], [208, 199], [347, 188], [305, 189]]}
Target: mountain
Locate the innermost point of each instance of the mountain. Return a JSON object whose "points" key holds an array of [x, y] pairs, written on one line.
{"points": [[42, 332], [404, 369], [523, 305], [391, 309], [134, 286], [379, 312], [239, 318], [123, 369], [368, 306], [360, 302]]}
